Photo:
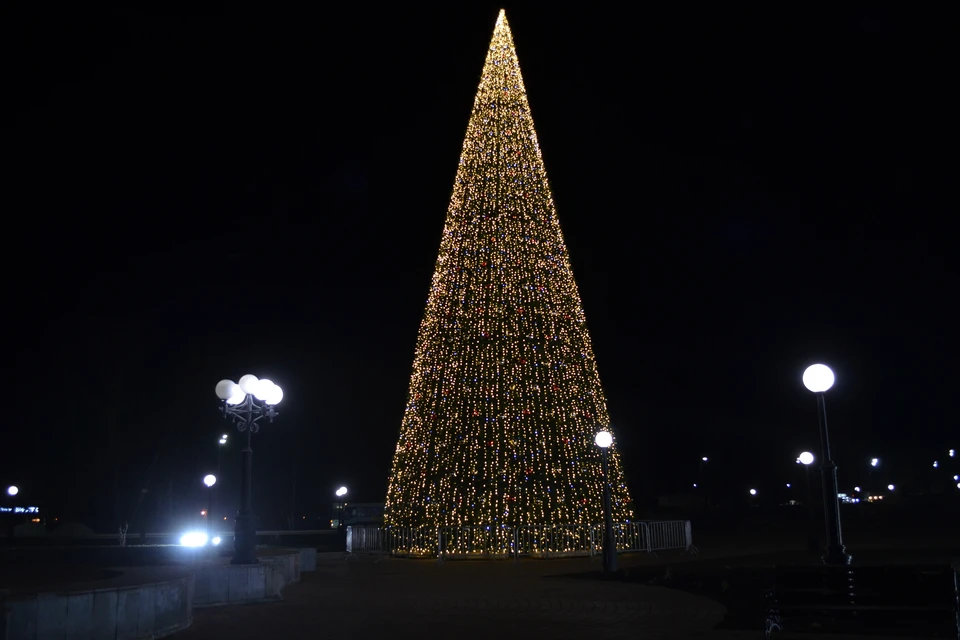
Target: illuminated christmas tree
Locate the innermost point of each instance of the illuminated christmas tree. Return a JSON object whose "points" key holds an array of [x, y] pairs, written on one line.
{"points": [[505, 398]]}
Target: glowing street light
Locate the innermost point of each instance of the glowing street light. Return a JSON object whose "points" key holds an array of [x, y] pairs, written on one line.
{"points": [[874, 462], [247, 402], [857, 489], [806, 458], [818, 379], [952, 453], [13, 490], [935, 464], [753, 492], [890, 487], [603, 440]]}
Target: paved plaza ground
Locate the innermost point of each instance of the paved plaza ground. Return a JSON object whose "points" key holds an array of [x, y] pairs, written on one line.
{"points": [[361, 596]]}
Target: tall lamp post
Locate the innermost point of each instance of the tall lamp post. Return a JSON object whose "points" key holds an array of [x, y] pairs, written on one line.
{"points": [[806, 459], [603, 440], [216, 492], [341, 492], [818, 378], [209, 480], [703, 487], [247, 402]]}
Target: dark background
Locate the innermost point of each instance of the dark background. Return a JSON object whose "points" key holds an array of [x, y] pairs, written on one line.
{"points": [[193, 197]]}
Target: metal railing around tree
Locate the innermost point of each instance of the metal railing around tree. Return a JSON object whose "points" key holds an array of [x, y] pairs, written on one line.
{"points": [[538, 541]]}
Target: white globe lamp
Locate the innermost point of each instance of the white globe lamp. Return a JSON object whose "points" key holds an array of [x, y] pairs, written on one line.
{"points": [[603, 439], [226, 389], [275, 395], [806, 458], [818, 378], [249, 383], [209, 479], [264, 388]]}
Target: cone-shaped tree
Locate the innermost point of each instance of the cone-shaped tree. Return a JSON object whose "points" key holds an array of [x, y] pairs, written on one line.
{"points": [[505, 398]]}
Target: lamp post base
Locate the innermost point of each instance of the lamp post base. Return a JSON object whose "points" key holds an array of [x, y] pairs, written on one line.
{"points": [[245, 544], [837, 556]]}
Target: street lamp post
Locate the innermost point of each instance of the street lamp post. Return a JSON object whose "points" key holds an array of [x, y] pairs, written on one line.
{"points": [[806, 459], [818, 378], [603, 440], [216, 492], [209, 480], [703, 487], [247, 402], [341, 492]]}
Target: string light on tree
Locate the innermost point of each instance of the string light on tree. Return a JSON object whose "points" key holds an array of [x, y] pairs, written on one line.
{"points": [[505, 397]]}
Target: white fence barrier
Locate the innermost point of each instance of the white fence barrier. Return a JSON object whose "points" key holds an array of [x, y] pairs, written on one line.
{"points": [[543, 541]]}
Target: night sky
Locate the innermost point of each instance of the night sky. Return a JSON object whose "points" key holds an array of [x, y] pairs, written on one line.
{"points": [[195, 197]]}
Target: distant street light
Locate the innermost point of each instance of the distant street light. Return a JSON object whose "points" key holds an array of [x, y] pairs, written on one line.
{"points": [[603, 440], [890, 487], [874, 462], [247, 402], [818, 378], [952, 453], [13, 490], [857, 489], [806, 458], [935, 464], [753, 492]]}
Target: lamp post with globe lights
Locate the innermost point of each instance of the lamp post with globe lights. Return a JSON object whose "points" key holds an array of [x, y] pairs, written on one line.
{"points": [[209, 480], [818, 379], [13, 490], [603, 440], [247, 402]]}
